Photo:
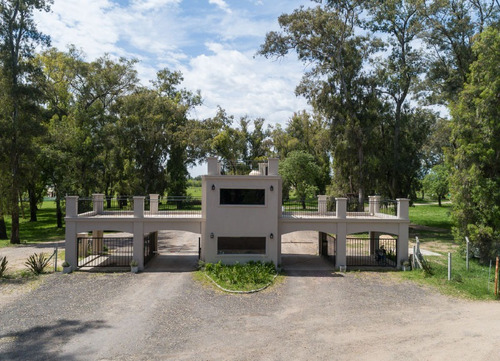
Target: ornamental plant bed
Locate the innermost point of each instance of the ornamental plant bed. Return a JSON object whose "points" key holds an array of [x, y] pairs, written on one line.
{"points": [[248, 277]]}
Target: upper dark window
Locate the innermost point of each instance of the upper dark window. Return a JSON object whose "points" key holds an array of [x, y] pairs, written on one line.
{"points": [[242, 196]]}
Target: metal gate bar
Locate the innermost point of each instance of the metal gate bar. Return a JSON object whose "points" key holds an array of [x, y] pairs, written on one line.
{"points": [[104, 252], [365, 252]]}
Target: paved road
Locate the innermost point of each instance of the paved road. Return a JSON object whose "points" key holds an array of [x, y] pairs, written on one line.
{"points": [[311, 315]]}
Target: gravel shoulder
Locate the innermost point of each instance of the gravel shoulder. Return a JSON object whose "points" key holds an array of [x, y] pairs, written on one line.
{"points": [[318, 315]]}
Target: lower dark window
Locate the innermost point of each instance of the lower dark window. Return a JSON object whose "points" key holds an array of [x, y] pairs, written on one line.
{"points": [[241, 245]]}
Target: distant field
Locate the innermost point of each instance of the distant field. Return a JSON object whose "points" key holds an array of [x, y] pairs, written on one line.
{"points": [[44, 230], [194, 191]]}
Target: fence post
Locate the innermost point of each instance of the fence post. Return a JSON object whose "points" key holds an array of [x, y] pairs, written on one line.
{"points": [[139, 207], [467, 255], [341, 207], [71, 206], [496, 278], [403, 204], [153, 203], [449, 266], [322, 204], [98, 203]]}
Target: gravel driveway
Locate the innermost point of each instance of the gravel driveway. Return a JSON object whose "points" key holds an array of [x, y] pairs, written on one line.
{"points": [[311, 315]]}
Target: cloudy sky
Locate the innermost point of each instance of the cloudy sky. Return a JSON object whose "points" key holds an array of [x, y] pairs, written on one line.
{"points": [[213, 43]]}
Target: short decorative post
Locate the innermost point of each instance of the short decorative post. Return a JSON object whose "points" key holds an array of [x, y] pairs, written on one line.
{"points": [[139, 207], [98, 203], [341, 207], [153, 203], [322, 199]]}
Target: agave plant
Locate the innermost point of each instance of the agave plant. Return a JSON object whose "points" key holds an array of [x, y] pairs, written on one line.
{"points": [[36, 263]]}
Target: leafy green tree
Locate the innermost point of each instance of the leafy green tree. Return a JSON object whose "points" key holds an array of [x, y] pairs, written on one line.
{"points": [[337, 85], [300, 171], [474, 157], [436, 182], [450, 29], [19, 123]]}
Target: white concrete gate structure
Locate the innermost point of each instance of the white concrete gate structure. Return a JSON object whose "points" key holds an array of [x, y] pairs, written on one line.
{"points": [[241, 219]]}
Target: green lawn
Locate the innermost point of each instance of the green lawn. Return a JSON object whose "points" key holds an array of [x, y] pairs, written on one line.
{"points": [[44, 230], [194, 191], [431, 215], [472, 284]]}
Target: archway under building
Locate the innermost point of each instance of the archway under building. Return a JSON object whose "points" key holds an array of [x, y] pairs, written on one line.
{"points": [[305, 251], [174, 251]]}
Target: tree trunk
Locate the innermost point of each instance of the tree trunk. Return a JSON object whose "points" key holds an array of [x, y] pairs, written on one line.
{"points": [[58, 210], [303, 201], [33, 203], [3, 227], [14, 233], [439, 200]]}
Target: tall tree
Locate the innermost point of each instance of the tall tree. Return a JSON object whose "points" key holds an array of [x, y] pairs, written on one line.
{"points": [[474, 156], [18, 39], [450, 27], [338, 86]]}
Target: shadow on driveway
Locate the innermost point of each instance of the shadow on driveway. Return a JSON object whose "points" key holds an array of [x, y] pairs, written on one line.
{"points": [[40, 343]]}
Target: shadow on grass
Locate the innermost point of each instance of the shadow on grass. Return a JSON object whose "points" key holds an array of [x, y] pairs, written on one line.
{"points": [[43, 342]]}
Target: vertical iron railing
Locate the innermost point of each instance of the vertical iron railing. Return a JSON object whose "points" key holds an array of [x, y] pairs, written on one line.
{"points": [[387, 209], [104, 252], [300, 208], [355, 208], [119, 205], [85, 206], [177, 206], [369, 252]]}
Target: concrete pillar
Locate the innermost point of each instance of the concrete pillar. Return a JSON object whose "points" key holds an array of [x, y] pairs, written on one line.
{"points": [[322, 200], [402, 244], [98, 203], [403, 211], [374, 204], [139, 207], [213, 166], [341, 207], [71, 206], [273, 164], [153, 203], [138, 248], [262, 168], [70, 241], [341, 257]]}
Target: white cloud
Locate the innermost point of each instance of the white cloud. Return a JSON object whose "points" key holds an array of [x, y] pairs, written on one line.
{"points": [[244, 85], [221, 4]]}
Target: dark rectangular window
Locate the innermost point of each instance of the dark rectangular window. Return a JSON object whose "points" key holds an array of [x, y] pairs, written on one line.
{"points": [[241, 245], [243, 196]]}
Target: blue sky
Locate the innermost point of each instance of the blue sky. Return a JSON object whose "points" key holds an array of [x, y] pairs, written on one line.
{"points": [[212, 42]]}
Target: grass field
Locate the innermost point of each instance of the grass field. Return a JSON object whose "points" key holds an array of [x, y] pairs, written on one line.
{"points": [[44, 230], [431, 223]]}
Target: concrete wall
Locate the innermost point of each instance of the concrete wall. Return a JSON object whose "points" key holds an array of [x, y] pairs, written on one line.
{"points": [[241, 220]]}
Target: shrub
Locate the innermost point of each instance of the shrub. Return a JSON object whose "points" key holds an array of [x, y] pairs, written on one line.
{"points": [[36, 263], [249, 276], [66, 264], [3, 265]]}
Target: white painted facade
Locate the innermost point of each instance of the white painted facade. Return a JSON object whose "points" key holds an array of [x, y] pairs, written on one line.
{"points": [[218, 220]]}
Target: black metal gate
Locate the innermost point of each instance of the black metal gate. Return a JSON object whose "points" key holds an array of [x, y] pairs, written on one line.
{"points": [[371, 252], [104, 252], [150, 246]]}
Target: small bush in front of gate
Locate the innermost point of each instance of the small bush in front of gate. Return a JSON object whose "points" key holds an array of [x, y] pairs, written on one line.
{"points": [[241, 277], [36, 263]]}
